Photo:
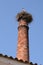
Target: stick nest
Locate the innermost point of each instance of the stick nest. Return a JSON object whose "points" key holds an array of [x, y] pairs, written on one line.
{"points": [[24, 16]]}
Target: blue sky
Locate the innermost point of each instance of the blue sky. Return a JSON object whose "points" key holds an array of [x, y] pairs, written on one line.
{"points": [[9, 32]]}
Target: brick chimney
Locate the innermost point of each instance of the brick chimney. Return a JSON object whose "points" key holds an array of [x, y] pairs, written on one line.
{"points": [[23, 19]]}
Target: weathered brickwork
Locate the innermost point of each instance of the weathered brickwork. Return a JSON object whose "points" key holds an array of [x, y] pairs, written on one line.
{"points": [[23, 49], [22, 22], [23, 19]]}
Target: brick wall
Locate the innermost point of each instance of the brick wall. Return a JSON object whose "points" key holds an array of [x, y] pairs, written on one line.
{"points": [[23, 49]]}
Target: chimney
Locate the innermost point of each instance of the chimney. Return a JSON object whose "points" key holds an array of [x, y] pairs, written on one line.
{"points": [[23, 19]]}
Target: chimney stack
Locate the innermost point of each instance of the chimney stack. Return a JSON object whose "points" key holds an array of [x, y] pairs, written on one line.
{"points": [[23, 19]]}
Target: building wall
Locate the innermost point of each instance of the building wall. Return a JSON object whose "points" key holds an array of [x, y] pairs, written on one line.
{"points": [[7, 61]]}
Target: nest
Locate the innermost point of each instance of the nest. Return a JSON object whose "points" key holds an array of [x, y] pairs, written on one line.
{"points": [[24, 16]]}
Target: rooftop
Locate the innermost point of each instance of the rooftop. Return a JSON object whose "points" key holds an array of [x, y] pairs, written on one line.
{"points": [[4, 58]]}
